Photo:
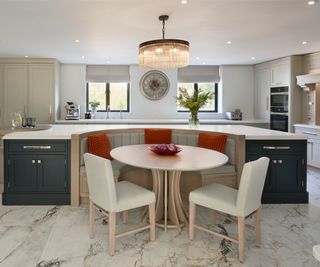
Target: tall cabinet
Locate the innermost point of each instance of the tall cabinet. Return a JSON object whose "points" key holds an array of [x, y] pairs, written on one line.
{"points": [[30, 85]]}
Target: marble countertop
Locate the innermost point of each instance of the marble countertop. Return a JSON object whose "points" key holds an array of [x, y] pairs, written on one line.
{"points": [[157, 121], [65, 131], [317, 127]]}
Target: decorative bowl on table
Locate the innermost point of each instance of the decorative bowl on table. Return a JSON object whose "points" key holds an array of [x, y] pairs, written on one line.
{"points": [[165, 149]]}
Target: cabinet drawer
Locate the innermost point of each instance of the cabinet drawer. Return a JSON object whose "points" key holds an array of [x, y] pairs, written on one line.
{"points": [[38, 147], [267, 146], [309, 132]]}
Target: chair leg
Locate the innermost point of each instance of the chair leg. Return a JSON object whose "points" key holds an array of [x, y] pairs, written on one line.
{"points": [[152, 218], [241, 237], [91, 219], [112, 232], [192, 217], [214, 216], [257, 226], [125, 215]]}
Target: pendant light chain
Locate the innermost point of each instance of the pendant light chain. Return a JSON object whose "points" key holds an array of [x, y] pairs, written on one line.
{"points": [[163, 27]]}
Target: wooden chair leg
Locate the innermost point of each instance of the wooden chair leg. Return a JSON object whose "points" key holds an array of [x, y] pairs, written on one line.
{"points": [[241, 237], [214, 216], [257, 226], [152, 218], [91, 219], [192, 217], [125, 215], [112, 232]]}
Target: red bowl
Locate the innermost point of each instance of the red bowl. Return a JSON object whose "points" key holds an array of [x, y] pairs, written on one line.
{"points": [[165, 149]]}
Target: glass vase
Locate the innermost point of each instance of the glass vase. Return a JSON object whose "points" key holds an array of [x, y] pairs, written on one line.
{"points": [[193, 120]]}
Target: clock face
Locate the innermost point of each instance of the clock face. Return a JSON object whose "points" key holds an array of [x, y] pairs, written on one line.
{"points": [[154, 85]]}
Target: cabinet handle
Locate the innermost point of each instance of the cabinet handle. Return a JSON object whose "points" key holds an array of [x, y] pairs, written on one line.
{"points": [[33, 161], [309, 133], [280, 161], [274, 161], [267, 102], [36, 147], [50, 112], [276, 147], [39, 161]]}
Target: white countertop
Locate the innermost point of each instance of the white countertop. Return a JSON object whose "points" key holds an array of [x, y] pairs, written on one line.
{"points": [[307, 126], [65, 131], [157, 121]]}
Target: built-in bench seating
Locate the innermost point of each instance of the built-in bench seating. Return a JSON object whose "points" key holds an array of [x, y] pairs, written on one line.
{"points": [[228, 174]]}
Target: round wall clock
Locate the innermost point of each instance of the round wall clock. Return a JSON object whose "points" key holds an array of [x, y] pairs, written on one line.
{"points": [[154, 85]]}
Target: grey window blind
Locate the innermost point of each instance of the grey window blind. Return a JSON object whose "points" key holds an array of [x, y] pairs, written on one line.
{"points": [[196, 74], [108, 73]]}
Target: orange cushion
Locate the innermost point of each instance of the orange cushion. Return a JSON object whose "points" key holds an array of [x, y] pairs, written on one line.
{"points": [[212, 141], [99, 145], [157, 136]]}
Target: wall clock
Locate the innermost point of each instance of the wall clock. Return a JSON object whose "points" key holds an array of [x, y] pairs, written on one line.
{"points": [[154, 85]]}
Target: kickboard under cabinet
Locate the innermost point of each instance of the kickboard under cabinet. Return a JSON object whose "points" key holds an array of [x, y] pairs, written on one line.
{"points": [[36, 172]]}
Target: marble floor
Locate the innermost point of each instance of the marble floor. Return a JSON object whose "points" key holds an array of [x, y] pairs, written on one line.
{"points": [[50, 236]]}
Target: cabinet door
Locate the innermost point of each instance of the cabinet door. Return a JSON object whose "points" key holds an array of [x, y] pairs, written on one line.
{"points": [[52, 173], [15, 89], [289, 173], [314, 152], [22, 174], [1, 164], [41, 92], [280, 75], [1, 96], [262, 105]]}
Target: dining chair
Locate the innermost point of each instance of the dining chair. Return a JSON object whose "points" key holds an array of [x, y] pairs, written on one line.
{"points": [[242, 203], [110, 198]]}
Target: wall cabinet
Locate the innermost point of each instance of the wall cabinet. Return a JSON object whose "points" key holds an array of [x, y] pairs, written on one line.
{"points": [[286, 177], [36, 172], [280, 74], [31, 86], [313, 145]]}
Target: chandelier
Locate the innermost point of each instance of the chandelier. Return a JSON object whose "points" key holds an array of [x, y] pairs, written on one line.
{"points": [[164, 53]]}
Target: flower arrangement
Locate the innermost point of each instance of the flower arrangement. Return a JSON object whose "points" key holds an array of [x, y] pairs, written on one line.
{"points": [[193, 102]]}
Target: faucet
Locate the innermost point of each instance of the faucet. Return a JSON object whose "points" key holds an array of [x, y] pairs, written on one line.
{"points": [[108, 110]]}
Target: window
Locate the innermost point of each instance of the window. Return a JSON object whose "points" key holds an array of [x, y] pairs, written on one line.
{"points": [[115, 95], [212, 105]]}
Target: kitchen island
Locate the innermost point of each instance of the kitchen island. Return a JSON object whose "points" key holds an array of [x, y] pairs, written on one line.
{"points": [[285, 183]]}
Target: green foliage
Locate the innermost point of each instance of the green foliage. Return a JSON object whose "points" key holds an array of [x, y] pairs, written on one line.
{"points": [[194, 101], [94, 103]]}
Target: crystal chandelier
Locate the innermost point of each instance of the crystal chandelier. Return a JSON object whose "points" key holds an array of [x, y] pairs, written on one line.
{"points": [[164, 53]]}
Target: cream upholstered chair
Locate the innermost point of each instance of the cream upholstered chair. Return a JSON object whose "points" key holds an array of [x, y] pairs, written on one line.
{"points": [[110, 197], [240, 203]]}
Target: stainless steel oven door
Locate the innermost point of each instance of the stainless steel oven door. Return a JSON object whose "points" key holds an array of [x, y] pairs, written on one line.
{"points": [[279, 122], [279, 100]]}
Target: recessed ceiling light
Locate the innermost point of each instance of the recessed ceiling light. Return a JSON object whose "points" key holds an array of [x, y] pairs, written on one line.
{"points": [[108, 62], [184, 1], [26, 56], [304, 42], [229, 42], [197, 58], [310, 3], [76, 41], [253, 58], [203, 63], [82, 57]]}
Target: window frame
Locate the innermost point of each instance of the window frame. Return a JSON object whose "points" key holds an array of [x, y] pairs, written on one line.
{"points": [[195, 87], [107, 95]]}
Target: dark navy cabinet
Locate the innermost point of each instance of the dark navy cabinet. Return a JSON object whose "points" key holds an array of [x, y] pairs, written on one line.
{"points": [[36, 172], [287, 173]]}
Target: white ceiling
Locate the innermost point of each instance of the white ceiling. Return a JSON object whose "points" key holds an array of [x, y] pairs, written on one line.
{"points": [[111, 30]]}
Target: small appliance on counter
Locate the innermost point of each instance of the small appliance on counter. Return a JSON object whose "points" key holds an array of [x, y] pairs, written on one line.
{"points": [[234, 115], [73, 111]]}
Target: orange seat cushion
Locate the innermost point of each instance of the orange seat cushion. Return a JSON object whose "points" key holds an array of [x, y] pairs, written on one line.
{"points": [[157, 136], [212, 141], [99, 145]]}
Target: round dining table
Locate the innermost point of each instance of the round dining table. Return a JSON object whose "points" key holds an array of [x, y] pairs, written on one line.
{"points": [[166, 172]]}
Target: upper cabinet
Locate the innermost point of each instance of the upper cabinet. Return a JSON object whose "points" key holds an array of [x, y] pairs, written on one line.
{"points": [[30, 86], [280, 74]]}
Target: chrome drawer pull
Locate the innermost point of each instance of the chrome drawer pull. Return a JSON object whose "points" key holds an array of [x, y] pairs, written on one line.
{"points": [[276, 147], [309, 133], [36, 147]]}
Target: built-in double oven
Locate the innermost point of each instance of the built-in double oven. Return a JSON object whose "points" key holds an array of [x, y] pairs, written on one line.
{"points": [[279, 98]]}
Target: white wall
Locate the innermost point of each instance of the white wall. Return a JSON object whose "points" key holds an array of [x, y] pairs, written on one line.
{"points": [[237, 88], [236, 91], [73, 87]]}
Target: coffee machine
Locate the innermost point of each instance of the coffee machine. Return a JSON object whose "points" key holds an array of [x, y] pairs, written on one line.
{"points": [[73, 111]]}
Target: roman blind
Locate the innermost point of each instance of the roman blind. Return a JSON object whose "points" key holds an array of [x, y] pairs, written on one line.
{"points": [[196, 74], [108, 73]]}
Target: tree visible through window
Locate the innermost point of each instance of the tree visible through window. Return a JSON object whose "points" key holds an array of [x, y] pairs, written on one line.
{"points": [[212, 104], [114, 95]]}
